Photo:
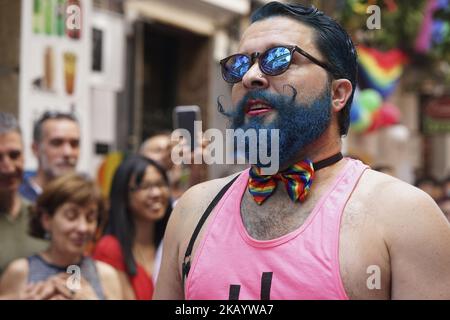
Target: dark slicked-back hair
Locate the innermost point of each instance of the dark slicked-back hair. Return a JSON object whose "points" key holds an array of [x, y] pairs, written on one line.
{"points": [[331, 39]]}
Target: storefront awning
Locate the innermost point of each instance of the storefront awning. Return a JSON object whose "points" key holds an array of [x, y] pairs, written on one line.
{"points": [[198, 16]]}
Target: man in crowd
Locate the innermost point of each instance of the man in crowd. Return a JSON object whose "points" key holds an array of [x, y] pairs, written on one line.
{"points": [[56, 145], [158, 147], [14, 213], [323, 227]]}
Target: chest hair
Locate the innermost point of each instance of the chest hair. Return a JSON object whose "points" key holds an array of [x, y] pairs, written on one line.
{"points": [[277, 216]]}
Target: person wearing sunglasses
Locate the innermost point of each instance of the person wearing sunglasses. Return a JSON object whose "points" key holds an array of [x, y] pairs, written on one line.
{"points": [[56, 145], [323, 226]]}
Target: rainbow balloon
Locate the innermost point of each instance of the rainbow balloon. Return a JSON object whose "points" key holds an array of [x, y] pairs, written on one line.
{"points": [[441, 31], [369, 113]]}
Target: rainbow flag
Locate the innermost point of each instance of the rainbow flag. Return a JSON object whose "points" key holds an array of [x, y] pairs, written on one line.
{"points": [[107, 170], [380, 70]]}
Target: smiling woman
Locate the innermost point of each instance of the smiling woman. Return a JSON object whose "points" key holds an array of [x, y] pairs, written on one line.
{"points": [[139, 211], [67, 213]]}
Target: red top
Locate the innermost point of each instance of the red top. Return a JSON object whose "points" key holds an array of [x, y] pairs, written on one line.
{"points": [[109, 251]]}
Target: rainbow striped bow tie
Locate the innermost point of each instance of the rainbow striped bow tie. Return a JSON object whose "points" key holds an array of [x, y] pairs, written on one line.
{"points": [[297, 179]]}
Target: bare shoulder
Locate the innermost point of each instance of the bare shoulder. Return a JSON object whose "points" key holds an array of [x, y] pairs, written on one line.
{"points": [[374, 179], [199, 196], [398, 227], [403, 211], [193, 203], [182, 223], [110, 280], [105, 270], [395, 199], [416, 234], [17, 269], [15, 277]]}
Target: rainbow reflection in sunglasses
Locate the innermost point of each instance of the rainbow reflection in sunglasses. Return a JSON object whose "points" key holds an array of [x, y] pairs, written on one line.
{"points": [[274, 61]]}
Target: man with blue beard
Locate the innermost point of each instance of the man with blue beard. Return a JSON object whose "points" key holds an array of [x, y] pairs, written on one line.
{"points": [[293, 117], [323, 226]]}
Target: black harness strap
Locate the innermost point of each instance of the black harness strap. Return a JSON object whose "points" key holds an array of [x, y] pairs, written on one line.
{"points": [[186, 266]]}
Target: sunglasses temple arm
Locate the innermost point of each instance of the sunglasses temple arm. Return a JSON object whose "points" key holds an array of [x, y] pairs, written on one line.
{"points": [[324, 65]]}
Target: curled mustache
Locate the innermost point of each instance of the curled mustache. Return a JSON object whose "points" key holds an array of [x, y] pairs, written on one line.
{"points": [[248, 96]]}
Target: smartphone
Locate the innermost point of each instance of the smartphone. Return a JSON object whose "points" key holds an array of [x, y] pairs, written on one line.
{"points": [[184, 118]]}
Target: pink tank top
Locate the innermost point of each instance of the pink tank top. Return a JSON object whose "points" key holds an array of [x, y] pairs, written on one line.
{"points": [[303, 264]]}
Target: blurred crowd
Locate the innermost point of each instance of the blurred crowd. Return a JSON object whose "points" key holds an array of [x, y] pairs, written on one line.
{"points": [[61, 239], [439, 190]]}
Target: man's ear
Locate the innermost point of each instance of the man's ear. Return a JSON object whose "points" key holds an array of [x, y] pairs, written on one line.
{"points": [[341, 89]]}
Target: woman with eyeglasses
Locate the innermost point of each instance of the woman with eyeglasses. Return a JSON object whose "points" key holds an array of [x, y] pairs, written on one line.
{"points": [[139, 210], [67, 213]]}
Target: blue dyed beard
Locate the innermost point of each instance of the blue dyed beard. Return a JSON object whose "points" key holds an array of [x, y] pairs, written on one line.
{"points": [[299, 124]]}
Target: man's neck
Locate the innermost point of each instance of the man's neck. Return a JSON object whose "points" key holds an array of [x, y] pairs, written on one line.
{"points": [[324, 147], [10, 204]]}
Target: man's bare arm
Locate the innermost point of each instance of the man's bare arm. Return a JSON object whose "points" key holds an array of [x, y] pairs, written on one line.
{"points": [[169, 286], [418, 237], [182, 223]]}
